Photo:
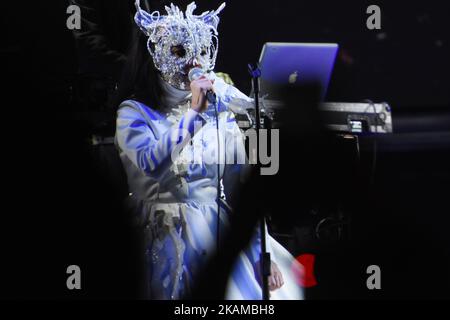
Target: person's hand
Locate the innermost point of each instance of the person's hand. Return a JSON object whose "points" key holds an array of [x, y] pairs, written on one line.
{"points": [[275, 279], [199, 88]]}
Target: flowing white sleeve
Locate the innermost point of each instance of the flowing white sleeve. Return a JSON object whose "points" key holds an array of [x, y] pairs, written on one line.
{"points": [[149, 150]]}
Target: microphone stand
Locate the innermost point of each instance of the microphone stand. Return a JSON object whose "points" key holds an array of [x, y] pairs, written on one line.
{"points": [[213, 100], [265, 259]]}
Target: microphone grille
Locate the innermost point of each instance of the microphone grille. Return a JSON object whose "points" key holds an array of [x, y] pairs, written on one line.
{"points": [[195, 73]]}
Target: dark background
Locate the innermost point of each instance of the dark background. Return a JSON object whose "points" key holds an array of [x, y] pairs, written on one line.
{"points": [[58, 209], [404, 63]]}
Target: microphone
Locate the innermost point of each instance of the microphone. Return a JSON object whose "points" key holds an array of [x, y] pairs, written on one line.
{"points": [[196, 73]]}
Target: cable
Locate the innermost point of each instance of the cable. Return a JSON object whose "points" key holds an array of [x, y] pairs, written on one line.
{"points": [[216, 112]]}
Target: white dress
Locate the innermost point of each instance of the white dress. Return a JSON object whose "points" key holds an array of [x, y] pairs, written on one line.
{"points": [[177, 195]]}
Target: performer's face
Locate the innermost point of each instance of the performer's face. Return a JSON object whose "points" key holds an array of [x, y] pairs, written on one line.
{"points": [[179, 49]]}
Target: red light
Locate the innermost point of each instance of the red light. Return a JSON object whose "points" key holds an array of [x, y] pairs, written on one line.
{"points": [[304, 274]]}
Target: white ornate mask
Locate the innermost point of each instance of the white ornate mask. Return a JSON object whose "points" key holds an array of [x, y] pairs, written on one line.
{"points": [[179, 41]]}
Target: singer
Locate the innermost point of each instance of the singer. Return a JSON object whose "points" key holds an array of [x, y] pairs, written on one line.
{"points": [[168, 88]]}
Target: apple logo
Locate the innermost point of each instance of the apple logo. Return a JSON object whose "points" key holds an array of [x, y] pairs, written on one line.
{"points": [[293, 77]]}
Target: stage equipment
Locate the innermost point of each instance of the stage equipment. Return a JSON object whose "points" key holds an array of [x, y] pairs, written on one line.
{"points": [[340, 117]]}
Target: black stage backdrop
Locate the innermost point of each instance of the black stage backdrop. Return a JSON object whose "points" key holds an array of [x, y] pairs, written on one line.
{"points": [[58, 209]]}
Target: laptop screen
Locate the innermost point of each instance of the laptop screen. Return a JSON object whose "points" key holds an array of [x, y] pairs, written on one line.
{"points": [[296, 64]]}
